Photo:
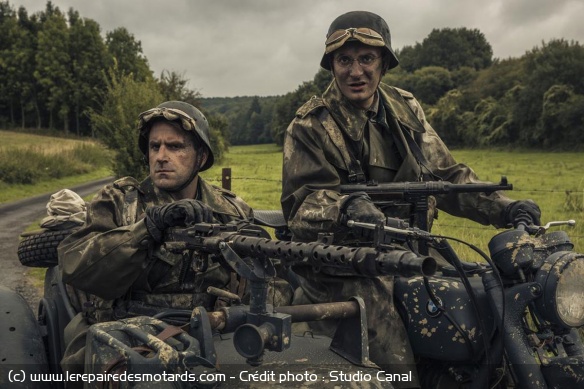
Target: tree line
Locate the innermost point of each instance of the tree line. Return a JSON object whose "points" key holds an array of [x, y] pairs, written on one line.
{"points": [[59, 73]]}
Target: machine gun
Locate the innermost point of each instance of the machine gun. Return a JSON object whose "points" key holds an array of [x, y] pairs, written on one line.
{"points": [[249, 251], [415, 195]]}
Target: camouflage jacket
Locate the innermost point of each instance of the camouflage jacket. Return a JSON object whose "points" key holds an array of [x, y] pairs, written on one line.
{"points": [[330, 141], [113, 257]]}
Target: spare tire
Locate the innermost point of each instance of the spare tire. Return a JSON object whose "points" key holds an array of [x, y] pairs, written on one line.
{"points": [[40, 249]]}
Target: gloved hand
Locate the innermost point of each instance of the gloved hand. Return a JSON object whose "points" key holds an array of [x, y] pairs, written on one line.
{"points": [[523, 210], [359, 207], [180, 213]]}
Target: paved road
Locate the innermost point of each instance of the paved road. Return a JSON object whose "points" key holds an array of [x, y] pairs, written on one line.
{"points": [[14, 218]]}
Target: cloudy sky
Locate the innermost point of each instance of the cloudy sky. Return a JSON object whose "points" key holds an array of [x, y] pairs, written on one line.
{"points": [[269, 47]]}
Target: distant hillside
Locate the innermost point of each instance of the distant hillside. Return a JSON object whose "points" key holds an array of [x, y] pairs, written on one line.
{"points": [[225, 105], [249, 118]]}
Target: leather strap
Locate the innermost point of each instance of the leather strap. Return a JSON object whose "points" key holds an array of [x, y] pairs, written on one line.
{"points": [[356, 174]]}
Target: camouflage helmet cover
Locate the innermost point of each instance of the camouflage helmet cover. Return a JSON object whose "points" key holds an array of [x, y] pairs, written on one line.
{"points": [[189, 118], [376, 34]]}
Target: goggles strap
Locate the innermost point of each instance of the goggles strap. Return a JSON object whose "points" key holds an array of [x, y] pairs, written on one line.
{"points": [[364, 35]]}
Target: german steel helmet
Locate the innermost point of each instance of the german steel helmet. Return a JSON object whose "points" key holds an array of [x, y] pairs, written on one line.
{"points": [[189, 118], [363, 26]]}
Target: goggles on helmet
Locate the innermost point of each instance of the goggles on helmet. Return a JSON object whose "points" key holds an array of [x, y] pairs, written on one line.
{"points": [[365, 35], [187, 122]]}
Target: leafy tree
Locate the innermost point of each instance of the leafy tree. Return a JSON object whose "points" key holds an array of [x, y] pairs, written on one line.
{"points": [[266, 118], [17, 63], [88, 56], [253, 125], [490, 123], [9, 32], [24, 62], [447, 118], [408, 57], [255, 128], [399, 78], [562, 119], [115, 123], [218, 127], [557, 62], [249, 117], [463, 76], [127, 53], [52, 71], [431, 83], [496, 80], [451, 48], [174, 87]]}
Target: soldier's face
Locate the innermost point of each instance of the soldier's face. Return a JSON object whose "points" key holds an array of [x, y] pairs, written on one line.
{"points": [[358, 80], [171, 156]]}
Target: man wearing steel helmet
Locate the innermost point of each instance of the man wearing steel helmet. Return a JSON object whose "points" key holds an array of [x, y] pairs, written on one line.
{"points": [[360, 130], [116, 257]]}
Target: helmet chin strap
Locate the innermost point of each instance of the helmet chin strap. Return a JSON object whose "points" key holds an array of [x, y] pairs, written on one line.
{"points": [[194, 173]]}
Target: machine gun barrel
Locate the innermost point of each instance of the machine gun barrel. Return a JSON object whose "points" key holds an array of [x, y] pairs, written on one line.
{"points": [[365, 261], [403, 189], [415, 195]]}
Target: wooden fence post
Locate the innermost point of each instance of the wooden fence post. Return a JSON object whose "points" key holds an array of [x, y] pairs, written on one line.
{"points": [[226, 178]]}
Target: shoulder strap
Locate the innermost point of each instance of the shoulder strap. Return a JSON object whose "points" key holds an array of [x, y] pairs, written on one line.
{"points": [[356, 174], [415, 149], [312, 104]]}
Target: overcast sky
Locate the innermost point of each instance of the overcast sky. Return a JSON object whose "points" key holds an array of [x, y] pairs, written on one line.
{"points": [[231, 48]]}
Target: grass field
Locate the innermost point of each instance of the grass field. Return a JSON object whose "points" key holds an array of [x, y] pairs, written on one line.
{"points": [[40, 143], [33, 164], [554, 180]]}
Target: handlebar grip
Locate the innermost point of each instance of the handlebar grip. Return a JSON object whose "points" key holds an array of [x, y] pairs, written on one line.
{"points": [[522, 221]]}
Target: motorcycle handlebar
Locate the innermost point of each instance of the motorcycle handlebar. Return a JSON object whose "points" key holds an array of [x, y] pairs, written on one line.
{"points": [[533, 229]]}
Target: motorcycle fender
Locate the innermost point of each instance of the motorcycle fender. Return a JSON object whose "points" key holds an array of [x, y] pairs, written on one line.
{"points": [[434, 333], [21, 343]]}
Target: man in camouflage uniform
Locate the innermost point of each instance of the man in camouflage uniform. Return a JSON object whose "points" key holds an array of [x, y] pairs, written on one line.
{"points": [[359, 130], [116, 257]]}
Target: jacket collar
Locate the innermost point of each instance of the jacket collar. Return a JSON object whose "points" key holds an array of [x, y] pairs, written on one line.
{"points": [[396, 103], [352, 119]]}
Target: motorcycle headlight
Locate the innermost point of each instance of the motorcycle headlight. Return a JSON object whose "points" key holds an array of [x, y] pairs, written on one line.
{"points": [[562, 280]]}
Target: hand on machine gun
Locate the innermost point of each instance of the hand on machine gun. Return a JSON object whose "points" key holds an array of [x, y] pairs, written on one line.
{"points": [[359, 208], [416, 194], [182, 213]]}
